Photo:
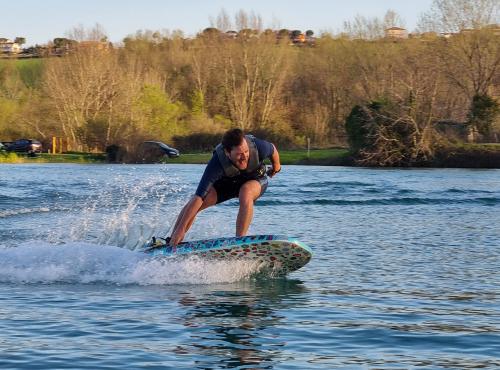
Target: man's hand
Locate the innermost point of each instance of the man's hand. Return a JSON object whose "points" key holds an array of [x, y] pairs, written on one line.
{"points": [[185, 220], [175, 239], [273, 171]]}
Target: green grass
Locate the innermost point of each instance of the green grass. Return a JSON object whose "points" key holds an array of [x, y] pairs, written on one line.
{"points": [[10, 158], [53, 158], [316, 157], [287, 157], [190, 158]]}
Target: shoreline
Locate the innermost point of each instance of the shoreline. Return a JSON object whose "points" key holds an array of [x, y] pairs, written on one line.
{"points": [[472, 156]]}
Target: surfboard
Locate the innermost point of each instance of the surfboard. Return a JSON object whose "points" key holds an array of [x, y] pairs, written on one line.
{"points": [[277, 254]]}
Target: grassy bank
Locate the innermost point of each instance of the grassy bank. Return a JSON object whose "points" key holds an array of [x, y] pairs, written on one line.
{"points": [[53, 158], [458, 156], [315, 157], [332, 157], [288, 157]]}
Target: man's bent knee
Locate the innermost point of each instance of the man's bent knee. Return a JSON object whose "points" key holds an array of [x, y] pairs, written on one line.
{"points": [[250, 191]]}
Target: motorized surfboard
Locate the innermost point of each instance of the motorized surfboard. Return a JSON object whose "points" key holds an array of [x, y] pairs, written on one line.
{"points": [[275, 253]]}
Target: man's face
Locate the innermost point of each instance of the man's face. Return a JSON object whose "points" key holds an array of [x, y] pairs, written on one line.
{"points": [[239, 155]]}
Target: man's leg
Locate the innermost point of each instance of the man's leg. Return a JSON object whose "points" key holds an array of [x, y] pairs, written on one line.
{"points": [[210, 200], [249, 192]]}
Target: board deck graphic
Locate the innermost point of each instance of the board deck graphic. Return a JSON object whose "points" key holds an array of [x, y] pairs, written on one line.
{"points": [[277, 253]]}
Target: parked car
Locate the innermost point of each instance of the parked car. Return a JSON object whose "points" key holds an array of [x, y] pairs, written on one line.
{"points": [[154, 151], [29, 146]]}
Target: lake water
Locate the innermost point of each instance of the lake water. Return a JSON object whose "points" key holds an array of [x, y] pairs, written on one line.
{"points": [[405, 272]]}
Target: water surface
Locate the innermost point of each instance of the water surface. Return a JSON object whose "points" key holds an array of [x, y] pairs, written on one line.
{"points": [[405, 271]]}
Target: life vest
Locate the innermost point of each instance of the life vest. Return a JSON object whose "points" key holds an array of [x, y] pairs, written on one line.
{"points": [[230, 170]]}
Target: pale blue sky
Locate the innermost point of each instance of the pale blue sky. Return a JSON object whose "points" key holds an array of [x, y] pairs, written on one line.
{"points": [[43, 20]]}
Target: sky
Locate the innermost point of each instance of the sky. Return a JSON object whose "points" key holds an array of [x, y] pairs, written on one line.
{"points": [[40, 21]]}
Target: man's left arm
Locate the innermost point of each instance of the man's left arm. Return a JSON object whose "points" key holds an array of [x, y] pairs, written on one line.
{"points": [[275, 162], [268, 150]]}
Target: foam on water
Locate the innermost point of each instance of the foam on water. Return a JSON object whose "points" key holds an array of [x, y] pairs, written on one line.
{"points": [[22, 211], [39, 262]]}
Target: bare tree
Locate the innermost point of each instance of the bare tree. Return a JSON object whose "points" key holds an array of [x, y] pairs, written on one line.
{"points": [[223, 21], [372, 28], [456, 15], [254, 72], [80, 33], [364, 28], [241, 20], [244, 20], [472, 61], [393, 19], [83, 87]]}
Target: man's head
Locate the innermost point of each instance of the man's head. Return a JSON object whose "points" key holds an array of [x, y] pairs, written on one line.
{"points": [[236, 148]]}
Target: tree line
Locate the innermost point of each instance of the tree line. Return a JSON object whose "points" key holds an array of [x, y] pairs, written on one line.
{"points": [[384, 97]]}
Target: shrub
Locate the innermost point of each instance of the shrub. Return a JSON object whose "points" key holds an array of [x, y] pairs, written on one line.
{"points": [[202, 141], [483, 113]]}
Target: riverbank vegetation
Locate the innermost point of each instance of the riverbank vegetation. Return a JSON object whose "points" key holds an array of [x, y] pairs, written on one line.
{"points": [[395, 102]]}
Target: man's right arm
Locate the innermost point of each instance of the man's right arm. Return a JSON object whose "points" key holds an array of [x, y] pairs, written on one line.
{"points": [[188, 213]]}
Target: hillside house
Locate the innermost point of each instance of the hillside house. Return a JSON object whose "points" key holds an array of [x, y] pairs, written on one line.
{"points": [[9, 47], [396, 33], [95, 45]]}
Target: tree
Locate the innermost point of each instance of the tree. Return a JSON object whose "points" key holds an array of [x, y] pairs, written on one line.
{"points": [[254, 71], [84, 87], [243, 20], [472, 61], [456, 15], [364, 28], [223, 22], [358, 128], [483, 113], [393, 19], [80, 33], [9, 110], [372, 28], [322, 91], [20, 40], [158, 114], [382, 134]]}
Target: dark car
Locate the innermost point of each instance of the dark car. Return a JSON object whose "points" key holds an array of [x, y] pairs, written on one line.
{"points": [[28, 146], [155, 151]]}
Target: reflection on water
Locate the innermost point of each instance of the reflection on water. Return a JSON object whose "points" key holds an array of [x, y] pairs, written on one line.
{"points": [[231, 326]]}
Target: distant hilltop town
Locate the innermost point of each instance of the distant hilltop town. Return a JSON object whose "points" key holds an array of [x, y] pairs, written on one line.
{"points": [[63, 46]]}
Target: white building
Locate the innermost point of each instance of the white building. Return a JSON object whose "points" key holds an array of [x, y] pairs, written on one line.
{"points": [[9, 47], [396, 32]]}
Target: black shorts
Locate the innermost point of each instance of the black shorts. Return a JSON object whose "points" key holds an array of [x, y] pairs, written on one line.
{"points": [[229, 188]]}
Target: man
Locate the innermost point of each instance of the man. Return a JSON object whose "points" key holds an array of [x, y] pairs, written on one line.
{"points": [[236, 170]]}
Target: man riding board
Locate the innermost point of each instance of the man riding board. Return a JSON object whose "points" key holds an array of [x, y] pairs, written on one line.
{"points": [[236, 170]]}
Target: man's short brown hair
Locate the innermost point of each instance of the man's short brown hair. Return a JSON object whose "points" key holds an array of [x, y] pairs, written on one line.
{"points": [[232, 138]]}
